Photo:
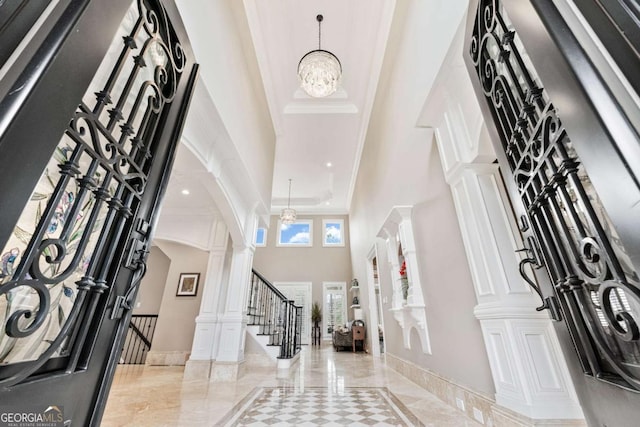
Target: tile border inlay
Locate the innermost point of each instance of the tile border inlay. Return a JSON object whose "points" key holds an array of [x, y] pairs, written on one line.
{"points": [[330, 404]]}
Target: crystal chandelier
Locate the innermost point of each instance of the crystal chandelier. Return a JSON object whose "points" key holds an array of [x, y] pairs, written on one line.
{"points": [[319, 71], [288, 215]]}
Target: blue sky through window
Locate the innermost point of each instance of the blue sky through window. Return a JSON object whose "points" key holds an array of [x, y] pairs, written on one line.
{"points": [[333, 233], [261, 236], [295, 234]]}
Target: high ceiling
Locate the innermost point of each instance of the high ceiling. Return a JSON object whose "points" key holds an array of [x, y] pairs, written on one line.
{"points": [[318, 141], [313, 133]]}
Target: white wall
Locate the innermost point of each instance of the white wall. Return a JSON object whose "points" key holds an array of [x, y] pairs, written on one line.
{"points": [[401, 166], [315, 264], [152, 286], [220, 37], [520, 344], [176, 319]]}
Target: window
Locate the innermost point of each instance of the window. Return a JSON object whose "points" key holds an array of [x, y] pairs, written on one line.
{"points": [[334, 295], [300, 233], [261, 237], [332, 232]]}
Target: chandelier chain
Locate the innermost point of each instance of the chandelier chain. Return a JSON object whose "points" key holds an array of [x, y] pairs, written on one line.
{"points": [[288, 215], [319, 31]]}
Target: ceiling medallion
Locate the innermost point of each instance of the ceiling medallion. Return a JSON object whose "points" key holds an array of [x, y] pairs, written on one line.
{"points": [[319, 71], [288, 215]]}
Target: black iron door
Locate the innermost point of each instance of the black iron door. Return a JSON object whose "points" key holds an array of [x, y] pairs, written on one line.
{"points": [[92, 105], [565, 148]]}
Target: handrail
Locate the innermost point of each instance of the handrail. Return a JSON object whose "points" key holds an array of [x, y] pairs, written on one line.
{"points": [[270, 285], [276, 315], [140, 335], [139, 339]]}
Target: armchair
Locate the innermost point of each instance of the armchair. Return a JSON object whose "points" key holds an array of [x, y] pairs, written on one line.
{"points": [[342, 338]]}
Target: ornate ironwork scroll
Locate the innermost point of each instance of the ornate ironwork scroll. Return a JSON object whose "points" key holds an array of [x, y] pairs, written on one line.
{"points": [[594, 279], [59, 259]]}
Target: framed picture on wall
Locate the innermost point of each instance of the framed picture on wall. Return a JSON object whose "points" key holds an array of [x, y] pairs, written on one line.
{"points": [[188, 284]]}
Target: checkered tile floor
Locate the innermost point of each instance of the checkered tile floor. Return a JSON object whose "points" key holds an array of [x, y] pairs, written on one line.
{"points": [[317, 406]]}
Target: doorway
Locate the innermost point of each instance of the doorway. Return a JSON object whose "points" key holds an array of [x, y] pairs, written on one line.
{"points": [[334, 297], [373, 265]]}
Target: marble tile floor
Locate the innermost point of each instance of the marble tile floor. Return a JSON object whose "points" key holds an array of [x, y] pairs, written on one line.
{"points": [[320, 406], [153, 396]]}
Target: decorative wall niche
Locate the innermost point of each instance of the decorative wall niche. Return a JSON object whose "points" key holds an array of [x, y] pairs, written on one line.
{"points": [[407, 303]]}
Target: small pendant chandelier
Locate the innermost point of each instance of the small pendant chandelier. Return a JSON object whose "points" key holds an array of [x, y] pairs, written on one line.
{"points": [[319, 71], [288, 215]]}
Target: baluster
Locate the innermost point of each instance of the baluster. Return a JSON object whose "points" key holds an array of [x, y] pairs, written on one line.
{"points": [[263, 309], [280, 318], [283, 348]]}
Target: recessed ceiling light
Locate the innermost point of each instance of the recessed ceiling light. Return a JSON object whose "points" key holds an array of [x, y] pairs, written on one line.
{"points": [[329, 164], [328, 203], [185, 192]]}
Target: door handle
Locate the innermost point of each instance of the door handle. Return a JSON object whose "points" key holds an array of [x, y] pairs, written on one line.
{"points": [[535, 260], [136, 260], [125, 302], [139, 263], [532, 258]]}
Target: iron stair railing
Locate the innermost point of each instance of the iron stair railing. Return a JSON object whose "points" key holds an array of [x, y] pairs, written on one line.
{"points": [[277, 316], [138, 341]]}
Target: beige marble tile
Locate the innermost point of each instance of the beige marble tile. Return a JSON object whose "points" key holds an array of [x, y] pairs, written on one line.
{"points": [[161, 396], [503, 417], [196, 369], [226, 372], [167, 358]]}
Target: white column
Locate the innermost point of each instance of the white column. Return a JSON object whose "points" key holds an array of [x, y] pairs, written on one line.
{"points": [[233, 323], [528, 368], [206, 321], [207, 326], [529, 371]]}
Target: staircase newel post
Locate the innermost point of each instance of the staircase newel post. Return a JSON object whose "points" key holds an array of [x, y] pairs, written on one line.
{"points": [[284, 307]]}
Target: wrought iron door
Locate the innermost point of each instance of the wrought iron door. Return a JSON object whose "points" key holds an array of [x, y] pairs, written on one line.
{"points": [[591, 280], [90, 118]]}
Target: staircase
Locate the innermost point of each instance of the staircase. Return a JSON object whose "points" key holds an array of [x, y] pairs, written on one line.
{"points": [[274, 321], [138, 340]]}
